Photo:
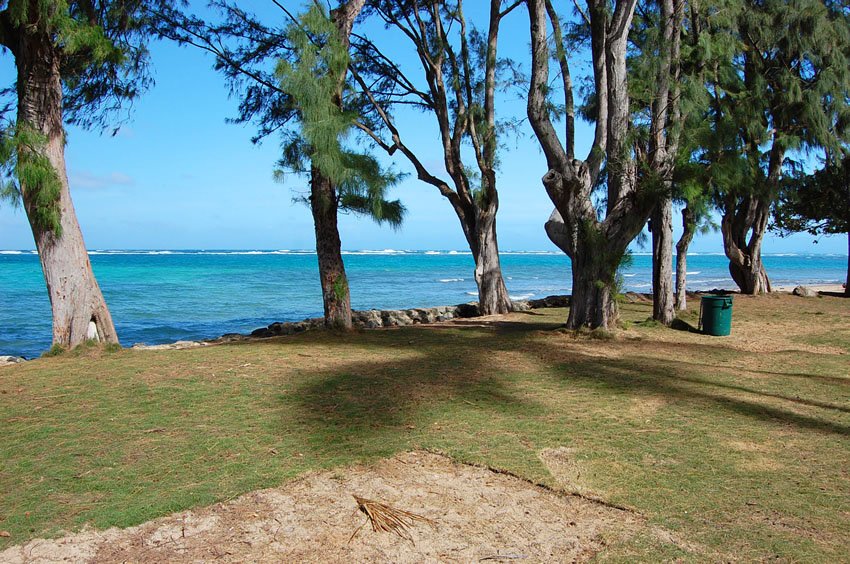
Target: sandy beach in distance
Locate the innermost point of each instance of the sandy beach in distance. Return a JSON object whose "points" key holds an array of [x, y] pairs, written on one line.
{"points": [[816, 287]]}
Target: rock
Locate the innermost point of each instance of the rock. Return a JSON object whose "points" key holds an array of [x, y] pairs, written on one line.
{"points": [[262, 333], [427, 315], [178, 345], [8, 360], [804, 292], [521, 305], [467, 310], [370, 319], [550, 301]]}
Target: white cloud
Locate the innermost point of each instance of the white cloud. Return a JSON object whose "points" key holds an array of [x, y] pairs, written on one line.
{"points": [[87, 180]]}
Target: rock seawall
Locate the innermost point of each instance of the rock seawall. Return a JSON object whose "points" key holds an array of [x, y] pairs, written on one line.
{"points": [[378, 318]]}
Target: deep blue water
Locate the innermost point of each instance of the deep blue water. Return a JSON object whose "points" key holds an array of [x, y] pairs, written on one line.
{"points": [[164, 296]]}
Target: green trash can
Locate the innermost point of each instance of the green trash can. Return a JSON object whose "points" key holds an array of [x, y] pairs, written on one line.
{"points": [[716, 315]]}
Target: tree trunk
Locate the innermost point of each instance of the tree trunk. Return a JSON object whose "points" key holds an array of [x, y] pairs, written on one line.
{"points": [[662, 262], [593, 302], [79, 310], [335, 294], [492, 294], [688, 229], [847, 282], [751, 278], [740, 219]]}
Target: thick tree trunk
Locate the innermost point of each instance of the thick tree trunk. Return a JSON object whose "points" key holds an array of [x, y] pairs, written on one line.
{"points": [[593, 302], [662, 262], [688, 230], [335, 294], [492, 294], [751, 277], [742, 219], [79, 310]]}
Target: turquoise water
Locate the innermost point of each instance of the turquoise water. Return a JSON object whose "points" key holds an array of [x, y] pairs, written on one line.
{"points": [[164, 296]]}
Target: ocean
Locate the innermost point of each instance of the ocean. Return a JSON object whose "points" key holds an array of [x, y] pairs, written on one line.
{"points": [[164, 296]]}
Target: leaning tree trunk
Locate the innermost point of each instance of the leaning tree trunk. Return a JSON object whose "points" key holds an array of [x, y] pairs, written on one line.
{"points": [[743, 227], [335, 294], [662, 262], [493, 296], [79, 310], [688, 230], [751, 277]]}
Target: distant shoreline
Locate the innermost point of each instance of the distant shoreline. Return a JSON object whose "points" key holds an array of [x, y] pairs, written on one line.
{"points": [[377, 252]]}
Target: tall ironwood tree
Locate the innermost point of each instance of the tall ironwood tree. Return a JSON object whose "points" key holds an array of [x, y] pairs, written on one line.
{"points": [[773, 92], [596, 243], [655, 66], [246, 50], [459, 76], [76, 61]]}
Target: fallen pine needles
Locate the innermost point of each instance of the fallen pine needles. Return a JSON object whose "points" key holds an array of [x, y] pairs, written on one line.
{"points": [[388, 519]]}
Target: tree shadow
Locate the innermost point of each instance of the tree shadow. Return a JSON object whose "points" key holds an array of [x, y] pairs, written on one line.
{"points": [[713, 350], [477, 364], [667, 379], [360, 399]]}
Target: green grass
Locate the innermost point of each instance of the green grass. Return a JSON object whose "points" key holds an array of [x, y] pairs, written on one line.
{"points": [[739, 444]]}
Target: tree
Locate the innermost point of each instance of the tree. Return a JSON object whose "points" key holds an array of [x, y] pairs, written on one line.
{"points": [[817, 203], [460, 73], [774, 91], [303, 98], [655, 66], [597, 243], [76, 61], [314, 76]]}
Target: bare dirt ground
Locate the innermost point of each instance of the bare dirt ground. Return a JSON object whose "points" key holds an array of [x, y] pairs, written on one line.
{"points": [[477, 515]]}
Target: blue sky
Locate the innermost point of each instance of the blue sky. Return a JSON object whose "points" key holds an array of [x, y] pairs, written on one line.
{"points": [[179, 177]]}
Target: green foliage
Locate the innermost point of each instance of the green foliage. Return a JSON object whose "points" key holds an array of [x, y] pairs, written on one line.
{"points": [[340, 287], [22, 158], [778, 75], [103, 50], [817, 203], [55, 350], [315, 79]]}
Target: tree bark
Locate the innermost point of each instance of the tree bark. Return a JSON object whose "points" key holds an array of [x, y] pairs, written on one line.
{"points": [[662, 262], [493, 295], [593, 302], [847, 282], [743, 227], [79, 310], [336, 297], [688, 230]]}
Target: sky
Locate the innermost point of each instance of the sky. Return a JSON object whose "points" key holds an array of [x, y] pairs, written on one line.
{"points": [[178, 176]]}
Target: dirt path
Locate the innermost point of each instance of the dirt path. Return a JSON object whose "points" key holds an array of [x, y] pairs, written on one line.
{"points": [[477, 514]]}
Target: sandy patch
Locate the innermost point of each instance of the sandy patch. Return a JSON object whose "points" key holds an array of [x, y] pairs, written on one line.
{"points": [[564, 466], [478, 515]]}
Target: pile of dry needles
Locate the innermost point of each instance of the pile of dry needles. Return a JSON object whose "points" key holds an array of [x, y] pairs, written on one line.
{"points": [[388, 519]]}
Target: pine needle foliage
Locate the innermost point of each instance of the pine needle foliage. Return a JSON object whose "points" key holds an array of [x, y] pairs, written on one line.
{"points": [[22, 158], [315, 78], [104, 55]]}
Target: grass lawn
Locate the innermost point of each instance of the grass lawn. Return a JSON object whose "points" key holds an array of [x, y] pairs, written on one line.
{"points": [[740, 444]]}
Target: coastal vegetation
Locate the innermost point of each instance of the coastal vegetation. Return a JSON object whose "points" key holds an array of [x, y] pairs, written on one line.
{"points": [[696, 102], [728, 108], [737, 445]]}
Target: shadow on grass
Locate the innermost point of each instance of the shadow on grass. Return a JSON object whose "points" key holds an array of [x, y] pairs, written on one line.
{"points": [[670, 379], [486, 365]]}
